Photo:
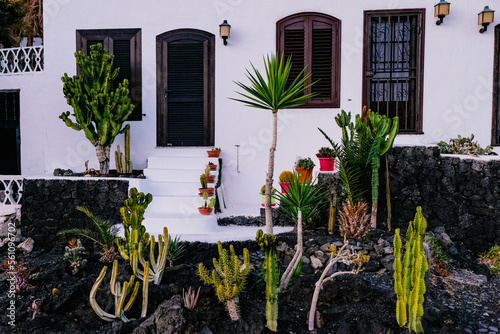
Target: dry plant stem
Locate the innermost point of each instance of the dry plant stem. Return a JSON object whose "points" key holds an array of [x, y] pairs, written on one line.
{"points": [[190, 300], [269, 177], [232, 308], [285, 279], [388, 192]]}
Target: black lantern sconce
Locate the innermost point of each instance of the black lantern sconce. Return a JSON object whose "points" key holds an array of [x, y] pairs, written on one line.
{"points": [[485, 18], [224, 31], [441, 9]]}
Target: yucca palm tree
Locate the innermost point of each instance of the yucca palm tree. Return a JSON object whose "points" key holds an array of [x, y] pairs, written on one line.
{"points": [[272, 93], [300, 202]]}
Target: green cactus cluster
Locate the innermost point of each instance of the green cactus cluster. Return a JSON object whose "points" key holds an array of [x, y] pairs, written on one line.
{"points": [[267, 243], [120, 293], [409, 275], [132, 215], [228, 277], [73, 256], [98, 110], [123, 165], [157, 264]]}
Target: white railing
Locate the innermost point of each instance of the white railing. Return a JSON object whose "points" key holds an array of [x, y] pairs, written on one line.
{"points": [[21, 60], [11, 190]]}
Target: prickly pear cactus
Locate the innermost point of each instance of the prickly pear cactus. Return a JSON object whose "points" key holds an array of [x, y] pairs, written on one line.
{"points": [[409, 275]]}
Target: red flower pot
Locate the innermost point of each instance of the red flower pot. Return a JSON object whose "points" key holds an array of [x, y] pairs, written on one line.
{"points": [[210, 191], [284, 187], [213, 154], [212, 166], [326, 164], [305, 175], [205, 211]]}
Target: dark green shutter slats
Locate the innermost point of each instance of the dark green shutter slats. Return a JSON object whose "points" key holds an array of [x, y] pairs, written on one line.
{"points": [[185, 96]]}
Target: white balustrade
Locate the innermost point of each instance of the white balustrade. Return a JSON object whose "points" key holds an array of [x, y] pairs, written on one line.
{"points": [[11, 190], [21, 60]]}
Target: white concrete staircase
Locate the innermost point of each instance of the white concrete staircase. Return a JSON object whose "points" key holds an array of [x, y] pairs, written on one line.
{"points": [[173, 178]]}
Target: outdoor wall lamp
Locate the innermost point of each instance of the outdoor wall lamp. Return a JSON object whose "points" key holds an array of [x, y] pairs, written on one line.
{"points": [[224, 30], [441, 9], [485, 18]]}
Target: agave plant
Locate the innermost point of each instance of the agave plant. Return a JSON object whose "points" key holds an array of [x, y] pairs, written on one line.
{"points": [[272, 93], [175, 249], [300, 202], [104, 235]]}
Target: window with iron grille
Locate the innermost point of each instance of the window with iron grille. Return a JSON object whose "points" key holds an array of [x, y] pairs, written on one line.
{"points": [[393, 65], [313, 41], [10, 137], [125, 45]]}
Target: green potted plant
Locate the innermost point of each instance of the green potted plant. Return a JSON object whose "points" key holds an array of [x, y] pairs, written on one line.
{"points": [[326, 157], [304, 168], [214, 153], [204, 188], [210, 178], [207, 208], [263, 195], [285, 178]]}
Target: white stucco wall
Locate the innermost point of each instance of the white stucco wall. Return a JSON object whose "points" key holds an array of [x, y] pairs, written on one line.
{"points": [[458, 72]]}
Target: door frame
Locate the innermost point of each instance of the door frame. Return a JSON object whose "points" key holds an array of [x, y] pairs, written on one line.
{"points": [[162, 41]]}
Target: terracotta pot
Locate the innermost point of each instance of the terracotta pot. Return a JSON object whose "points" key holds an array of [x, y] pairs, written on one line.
{"points": [[326, 164], [212, 167], [305, 175], [273, 200], [284, 187], [211, 179], [205, 211], [210, 191], [213, 154]]}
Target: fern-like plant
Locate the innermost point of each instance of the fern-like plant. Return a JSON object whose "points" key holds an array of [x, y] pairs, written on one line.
{"points": [[104, 234]]}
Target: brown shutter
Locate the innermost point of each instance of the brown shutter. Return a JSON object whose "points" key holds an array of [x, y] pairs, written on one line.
{"points": [[294, 47], [322, 62]]}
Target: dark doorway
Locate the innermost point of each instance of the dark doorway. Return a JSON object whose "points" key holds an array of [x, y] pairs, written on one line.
{"points": [[10, 136]]}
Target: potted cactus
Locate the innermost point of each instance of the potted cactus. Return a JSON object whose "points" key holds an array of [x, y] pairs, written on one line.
{"points": [[204, 186], [326, 157], [304, 168], [263, 195], [214, 153], [207, 208], [210, 178], [285, 178]]}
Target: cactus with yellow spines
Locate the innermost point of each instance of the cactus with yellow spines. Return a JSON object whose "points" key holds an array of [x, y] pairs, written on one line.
{"points": [[228, 277], [409, 275], [132, 215], [120, 293], [156, 264], [267, 243]]}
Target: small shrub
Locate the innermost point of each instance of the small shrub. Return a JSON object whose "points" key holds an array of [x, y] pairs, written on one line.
{"points": [[491, 258], [464, 145], [286, 176], [440, 260], [354, 220], [305, 163]]}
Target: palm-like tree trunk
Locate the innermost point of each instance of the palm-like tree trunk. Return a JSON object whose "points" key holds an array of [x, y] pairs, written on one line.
{"points": [[269, 177], [102, 152]]}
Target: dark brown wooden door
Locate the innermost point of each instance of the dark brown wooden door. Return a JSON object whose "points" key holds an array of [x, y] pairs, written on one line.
{"points": [[185, 68], [10, 152]]}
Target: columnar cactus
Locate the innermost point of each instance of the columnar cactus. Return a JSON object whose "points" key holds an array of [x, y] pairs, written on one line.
{"points": [[157, 265], [133, 215], [98, 111], [73, 255], [409, 276], [267, 243], [228, 277], [119, 293]]}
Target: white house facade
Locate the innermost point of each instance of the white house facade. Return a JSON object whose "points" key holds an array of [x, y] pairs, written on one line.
{"points": [[387, 54]]}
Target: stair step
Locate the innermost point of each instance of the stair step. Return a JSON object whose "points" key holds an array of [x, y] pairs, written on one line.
{"points": [[181, 224], [180, 204], [197, 163], [173, 188], [200, 151], [174, 175]]}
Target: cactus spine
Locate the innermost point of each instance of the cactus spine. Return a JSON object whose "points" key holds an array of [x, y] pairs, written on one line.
{"points": [[129, 289], [133, 214], [98, 111], [409, 276], [267, 243], [228, 277], [157, 265]]}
